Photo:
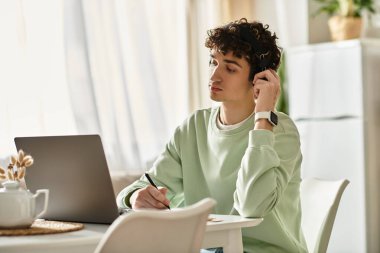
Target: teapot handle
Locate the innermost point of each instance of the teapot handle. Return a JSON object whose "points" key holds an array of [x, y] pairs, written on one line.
{"points": [[46, 193]]}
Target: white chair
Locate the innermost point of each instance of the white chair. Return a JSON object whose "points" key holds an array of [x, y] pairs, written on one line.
{"points": [[177, 230], [319, 200]]}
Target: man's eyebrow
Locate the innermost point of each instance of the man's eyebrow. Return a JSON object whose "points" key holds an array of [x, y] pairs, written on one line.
{"points": [[228, 61], [232, 62]]}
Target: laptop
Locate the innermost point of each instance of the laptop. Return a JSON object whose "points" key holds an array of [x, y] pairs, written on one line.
{"points": [[74, 169]]}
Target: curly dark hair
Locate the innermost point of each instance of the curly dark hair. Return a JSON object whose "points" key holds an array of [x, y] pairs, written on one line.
{"points": [[251, 40]]}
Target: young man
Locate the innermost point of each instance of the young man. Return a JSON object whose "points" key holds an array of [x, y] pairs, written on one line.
{"points": [[242, 153]]}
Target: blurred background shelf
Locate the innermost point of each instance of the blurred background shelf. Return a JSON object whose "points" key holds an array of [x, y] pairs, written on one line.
{"points": [[334, 98]]}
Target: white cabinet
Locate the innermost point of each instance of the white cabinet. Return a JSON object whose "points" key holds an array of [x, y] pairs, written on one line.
{"points": [[334, 96], [325, 80]]}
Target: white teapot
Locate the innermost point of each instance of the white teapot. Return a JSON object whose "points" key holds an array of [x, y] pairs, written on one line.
{"points": [[18, 206]]}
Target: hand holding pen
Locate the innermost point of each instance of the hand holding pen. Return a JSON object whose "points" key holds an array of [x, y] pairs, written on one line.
{"points": [[154, 185], [149, 197]]}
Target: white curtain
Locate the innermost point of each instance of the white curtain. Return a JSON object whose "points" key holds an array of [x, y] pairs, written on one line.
{"points": [[127, 72], [34, 99], [114, 67]]}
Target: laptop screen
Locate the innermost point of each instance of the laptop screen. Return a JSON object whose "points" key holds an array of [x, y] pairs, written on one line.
{"points": [[74, 169]]}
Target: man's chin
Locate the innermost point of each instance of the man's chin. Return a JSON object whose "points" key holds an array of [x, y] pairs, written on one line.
{"points": [[215, 98]]}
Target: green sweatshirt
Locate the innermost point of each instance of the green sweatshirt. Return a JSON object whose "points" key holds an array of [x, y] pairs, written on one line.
{"points": [[252, 173]]}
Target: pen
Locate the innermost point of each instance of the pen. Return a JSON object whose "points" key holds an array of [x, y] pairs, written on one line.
{"points": [[154, 185]]}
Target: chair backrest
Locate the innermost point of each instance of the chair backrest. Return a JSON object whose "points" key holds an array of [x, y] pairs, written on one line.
{"points": [[176, 230], [319, 200]]}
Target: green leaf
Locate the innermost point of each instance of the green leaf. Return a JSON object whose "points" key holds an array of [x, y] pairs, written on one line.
{"points": [[282, 103], [332, 7]]}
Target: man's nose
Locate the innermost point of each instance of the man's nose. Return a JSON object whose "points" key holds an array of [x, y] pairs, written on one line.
{"points": [[215, 74]]}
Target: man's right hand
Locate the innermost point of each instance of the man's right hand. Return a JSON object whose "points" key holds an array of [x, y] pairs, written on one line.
{"points": [[149, 197]]}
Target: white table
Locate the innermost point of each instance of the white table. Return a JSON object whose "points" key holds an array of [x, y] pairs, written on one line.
{"points": [[226, 234]]}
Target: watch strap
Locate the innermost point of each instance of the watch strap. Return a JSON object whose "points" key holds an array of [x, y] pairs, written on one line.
{"points": [[270, 116]]}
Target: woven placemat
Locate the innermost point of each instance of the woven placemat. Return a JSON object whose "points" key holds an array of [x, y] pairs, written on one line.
{"points": [[40, 227]]}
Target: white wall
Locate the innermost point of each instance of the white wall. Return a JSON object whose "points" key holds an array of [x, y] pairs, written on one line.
{"points": [[288, 18], [292, 21], [318, 30]]}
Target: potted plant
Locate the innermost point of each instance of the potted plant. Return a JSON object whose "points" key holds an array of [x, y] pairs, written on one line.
{"points": [[345, 17]]}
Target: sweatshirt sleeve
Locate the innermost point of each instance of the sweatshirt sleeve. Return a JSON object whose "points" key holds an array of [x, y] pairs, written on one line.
{"points": [[166, 172], [266, 169]]}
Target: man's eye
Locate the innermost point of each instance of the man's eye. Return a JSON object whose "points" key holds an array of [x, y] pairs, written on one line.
{"points": [[230, 70], [211, 63]]}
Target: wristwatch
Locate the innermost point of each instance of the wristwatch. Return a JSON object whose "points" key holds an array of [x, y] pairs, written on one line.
{"points": [[270, 116]]}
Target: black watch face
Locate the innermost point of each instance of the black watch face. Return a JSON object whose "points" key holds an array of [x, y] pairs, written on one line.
{"points": [[273, 118]]}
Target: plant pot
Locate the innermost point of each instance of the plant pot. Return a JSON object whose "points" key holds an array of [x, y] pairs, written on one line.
{"points": [[345, 28]]}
